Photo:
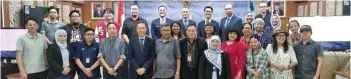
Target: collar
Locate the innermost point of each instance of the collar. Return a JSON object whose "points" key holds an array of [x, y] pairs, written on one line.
{"points": [[31, 37], [52, 22], [113, 38], [141, 38], [185, 19], [131, 18], [209, 20], [230, 17], [92, 43], [190, 42], [163, 18], [309, 42], [169, 40]]}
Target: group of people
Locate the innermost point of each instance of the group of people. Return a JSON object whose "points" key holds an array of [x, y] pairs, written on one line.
{"points": [[258, 49]]}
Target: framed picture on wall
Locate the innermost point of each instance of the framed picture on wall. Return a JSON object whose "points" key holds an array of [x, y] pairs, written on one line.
{"points": [[97, 10], [279, 7]]}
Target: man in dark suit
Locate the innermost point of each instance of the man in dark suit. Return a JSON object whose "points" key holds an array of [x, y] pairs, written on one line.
{"points": [[230, 21], [141, 54], [192, 49], [185, 21], [98, 12], [278, 10], [208, 15], [155, 25], [264, 15]]}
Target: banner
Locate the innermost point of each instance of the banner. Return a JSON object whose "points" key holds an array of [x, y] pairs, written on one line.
{"points": [[149, 10]]}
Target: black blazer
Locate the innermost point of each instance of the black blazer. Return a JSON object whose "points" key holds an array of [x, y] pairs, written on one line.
{"points": [[206, 68], [201, 28], [54, 58], [235, 22], [185, 27], [201, 46], [138, 59]]}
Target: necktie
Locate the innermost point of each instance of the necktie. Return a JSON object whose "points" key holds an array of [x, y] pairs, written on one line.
{"points": [[141, 45], [207, 22], [226, 22], [163, 21], [186, 23]]}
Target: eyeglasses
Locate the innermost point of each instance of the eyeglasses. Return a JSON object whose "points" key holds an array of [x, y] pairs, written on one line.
{"points": [[280, 36], [89, 34], [75, 16]]}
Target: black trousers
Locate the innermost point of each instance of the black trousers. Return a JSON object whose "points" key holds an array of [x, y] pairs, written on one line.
{"points": [[38, 75], [166, 78]]}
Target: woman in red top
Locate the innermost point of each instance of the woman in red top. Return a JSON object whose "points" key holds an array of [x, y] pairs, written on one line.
{"points": [[247, 35], [236, 53]]}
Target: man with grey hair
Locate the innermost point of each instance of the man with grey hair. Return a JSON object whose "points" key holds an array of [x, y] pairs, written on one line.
{"points": [[185, 21], [230, 21]]}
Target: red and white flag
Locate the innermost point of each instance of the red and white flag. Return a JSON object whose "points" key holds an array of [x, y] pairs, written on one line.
{"points": [[120, 15]]}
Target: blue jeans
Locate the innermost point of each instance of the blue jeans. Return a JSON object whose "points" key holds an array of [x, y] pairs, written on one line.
{"points": [[108, 76], [65, 77]]}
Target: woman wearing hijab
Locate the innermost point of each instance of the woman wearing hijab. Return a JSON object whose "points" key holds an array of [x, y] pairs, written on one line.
{"points": [[256, 61], [275, 22], [250, 17], [60, 57], [282, 57], [214, 64]]}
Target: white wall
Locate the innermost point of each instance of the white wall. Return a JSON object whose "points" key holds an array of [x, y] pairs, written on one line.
{"points": [[333, 28], [8, 38]]}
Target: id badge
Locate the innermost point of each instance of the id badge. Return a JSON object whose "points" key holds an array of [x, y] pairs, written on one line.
{"points": [[189, 58], [87, 60]]}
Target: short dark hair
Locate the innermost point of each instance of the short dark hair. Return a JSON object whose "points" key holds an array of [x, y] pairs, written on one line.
{"points": [[209, 24], [165, 25], [141, 22], [108, 10], [110, 24], [73, 11], [53, 7], [191, 25], [31, 19], [134, 5], [254, 37], [88, 29], [162, 6], [238, 33], [97, 5], [298, 24], [247, 24], [208, 7]]}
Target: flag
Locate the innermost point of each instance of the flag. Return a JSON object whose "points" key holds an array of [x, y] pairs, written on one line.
{"points": [[269, 6], [135, 1], [252, 5], [120, 15]]}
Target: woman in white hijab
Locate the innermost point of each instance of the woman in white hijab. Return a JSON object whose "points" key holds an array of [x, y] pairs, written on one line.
{"points": [[275, 22], [60, 57], [214, 63]]}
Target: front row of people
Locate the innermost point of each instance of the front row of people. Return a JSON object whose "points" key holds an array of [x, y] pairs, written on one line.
{"points": [[167, 57]]}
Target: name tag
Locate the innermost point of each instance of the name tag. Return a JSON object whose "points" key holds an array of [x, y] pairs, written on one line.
{"points": [[189, 58], [157, 26], [87, 60]]}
